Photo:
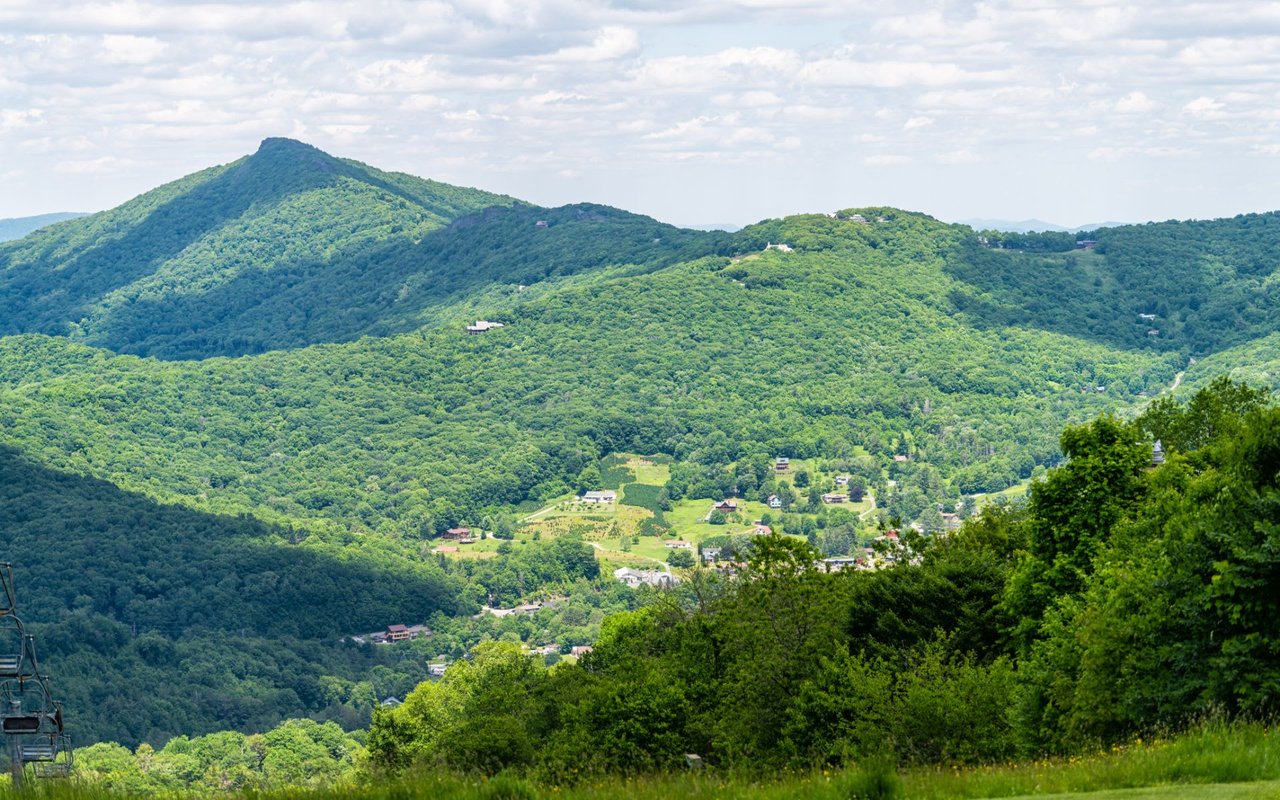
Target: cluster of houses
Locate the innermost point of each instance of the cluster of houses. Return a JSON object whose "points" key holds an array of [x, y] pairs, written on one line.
{"points": [[646, 577], [523, 608], [547, 649]]}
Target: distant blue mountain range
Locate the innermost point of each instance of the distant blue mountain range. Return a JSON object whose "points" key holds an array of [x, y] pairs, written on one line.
{"points": [[17, 227], [1027, 225]]}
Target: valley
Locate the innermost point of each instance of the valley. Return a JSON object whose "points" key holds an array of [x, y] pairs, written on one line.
{"points": [[251, 414]]}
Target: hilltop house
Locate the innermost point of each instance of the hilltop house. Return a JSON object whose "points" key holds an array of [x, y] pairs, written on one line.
{"points": [[602, 497], [761, 530], [460, 535], [835, 498], [483, 326], [782, 464], [678, 544], [728, 506], [842, 480], [710, 554], [775, 501]]}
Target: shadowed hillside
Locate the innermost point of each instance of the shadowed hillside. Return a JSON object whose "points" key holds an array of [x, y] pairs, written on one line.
{"points": [[156, 620]]}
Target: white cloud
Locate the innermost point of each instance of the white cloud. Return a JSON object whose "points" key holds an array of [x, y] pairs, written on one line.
{"points": [[1204, 108], [610, 42], [1135, 103], [123, 49], [518, 94]]}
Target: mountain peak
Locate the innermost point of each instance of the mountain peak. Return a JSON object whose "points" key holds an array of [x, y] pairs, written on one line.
{"points": [[281, 144], [278, 150]]}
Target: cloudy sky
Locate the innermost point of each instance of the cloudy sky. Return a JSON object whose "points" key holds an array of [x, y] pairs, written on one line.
{"points": [[724, 111]]}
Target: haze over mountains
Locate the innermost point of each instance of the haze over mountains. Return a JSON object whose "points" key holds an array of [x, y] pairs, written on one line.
{"points": [[277, 346], [17, 227], [1029, 225]]}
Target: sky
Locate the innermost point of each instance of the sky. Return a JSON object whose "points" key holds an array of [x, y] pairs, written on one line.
{"points": [[697, 113]]}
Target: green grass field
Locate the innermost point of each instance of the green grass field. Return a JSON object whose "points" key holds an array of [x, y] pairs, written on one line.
{"points": [[1215, 762]]}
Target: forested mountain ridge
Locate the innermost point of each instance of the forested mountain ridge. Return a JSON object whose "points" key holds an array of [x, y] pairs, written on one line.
{"points": [[290, 247], [1193, 287]]}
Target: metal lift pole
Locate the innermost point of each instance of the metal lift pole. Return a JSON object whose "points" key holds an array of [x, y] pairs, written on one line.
{"points": [[15, 753]]}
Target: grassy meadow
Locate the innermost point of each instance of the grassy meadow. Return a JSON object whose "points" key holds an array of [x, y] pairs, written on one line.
{"points": [[1213, 762]]}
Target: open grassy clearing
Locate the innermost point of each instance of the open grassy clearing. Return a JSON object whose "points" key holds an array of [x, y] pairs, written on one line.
{"points": [[648, 470], [1015, 492]]}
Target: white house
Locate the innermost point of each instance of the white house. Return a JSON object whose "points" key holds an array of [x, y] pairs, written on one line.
{"points": [[482, 326], [603, 497], [649, 577]]}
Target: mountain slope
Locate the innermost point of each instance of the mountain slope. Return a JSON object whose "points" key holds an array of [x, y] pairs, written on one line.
{"points": [[290, 247], [849, 342], [1193, 287], [17, 227], [157, 620]]}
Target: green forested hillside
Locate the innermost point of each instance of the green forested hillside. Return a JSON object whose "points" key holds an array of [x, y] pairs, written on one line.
{"points": [[1193, 287], [291, 246], [159, 620], [844, 343]]}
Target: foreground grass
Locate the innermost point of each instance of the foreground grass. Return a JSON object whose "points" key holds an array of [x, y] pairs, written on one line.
{"points": [[1214, 762], [1213, 754]]}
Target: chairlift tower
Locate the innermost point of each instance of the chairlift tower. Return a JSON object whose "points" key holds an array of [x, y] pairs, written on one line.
{"points": [[30, 719]]}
